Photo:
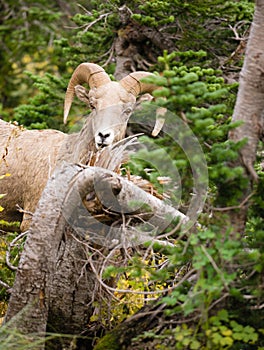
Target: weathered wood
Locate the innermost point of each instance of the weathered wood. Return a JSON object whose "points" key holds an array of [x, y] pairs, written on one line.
{"points": [[120, 196], [38, 261], [249, 110], [54, 283]]}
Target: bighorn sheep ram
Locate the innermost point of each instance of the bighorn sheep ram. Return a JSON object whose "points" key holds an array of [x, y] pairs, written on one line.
{"points": [[30, 156]]}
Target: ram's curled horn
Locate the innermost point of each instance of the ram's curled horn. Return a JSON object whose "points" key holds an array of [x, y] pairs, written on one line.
{"points": [[133, 84], [89, 73], [160, 120]]}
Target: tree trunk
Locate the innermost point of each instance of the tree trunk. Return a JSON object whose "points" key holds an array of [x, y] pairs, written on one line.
{"points": [[29, 303], [249, 106], [137, 46], [121, 337], [249, 109], [55, 284]]}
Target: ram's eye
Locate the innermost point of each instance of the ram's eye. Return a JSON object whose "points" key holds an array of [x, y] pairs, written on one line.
{"points": [[92, 104], [128, 110]]}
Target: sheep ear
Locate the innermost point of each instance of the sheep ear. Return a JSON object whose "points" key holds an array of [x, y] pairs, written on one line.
{"points": [[143, 98], [82, 94]]}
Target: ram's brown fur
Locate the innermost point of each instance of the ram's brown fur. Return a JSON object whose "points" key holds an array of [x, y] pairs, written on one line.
{"points": [[30, 156]]}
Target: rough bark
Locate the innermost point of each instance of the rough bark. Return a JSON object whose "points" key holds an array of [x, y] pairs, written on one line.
{"points": [[249, 108], [54, 282], [121, 337], [29, 303], [72, 291], [137, 46]]}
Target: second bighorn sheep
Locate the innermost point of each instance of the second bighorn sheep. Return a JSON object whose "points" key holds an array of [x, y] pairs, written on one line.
{"points": [[30, 156]]}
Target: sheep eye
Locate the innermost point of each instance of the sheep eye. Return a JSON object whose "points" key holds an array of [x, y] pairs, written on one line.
{"points": [[128, 110], [92, 103]]}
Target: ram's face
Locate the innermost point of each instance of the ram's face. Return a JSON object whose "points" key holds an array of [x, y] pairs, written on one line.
{"points": [[112, 103], [109, 124], [111, 107]]}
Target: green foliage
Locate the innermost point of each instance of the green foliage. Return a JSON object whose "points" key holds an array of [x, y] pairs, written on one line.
{"points": [[46, 108], [6, 274], [222, 268], [222, 333], [92, 44], [198, 97], [214, 279], [25, 32], [185, 20], [204, 268], [110, 341], [137, 276], [210, 23]]}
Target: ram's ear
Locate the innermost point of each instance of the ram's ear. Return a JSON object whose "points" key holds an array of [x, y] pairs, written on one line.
{"points": [[82, 94], [143, 98]]}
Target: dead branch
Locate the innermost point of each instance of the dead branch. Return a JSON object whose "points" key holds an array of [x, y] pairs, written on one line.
{"points": [[117, 195], [234, 207], [10, 247], [6, 286]]}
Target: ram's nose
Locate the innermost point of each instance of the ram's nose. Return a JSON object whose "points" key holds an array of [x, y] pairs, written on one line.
{"points": [[104, 138]]}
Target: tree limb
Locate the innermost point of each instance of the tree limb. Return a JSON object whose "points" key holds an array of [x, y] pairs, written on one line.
{"points": [[117, 195]]}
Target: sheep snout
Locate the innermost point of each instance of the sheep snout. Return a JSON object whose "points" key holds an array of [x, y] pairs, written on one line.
{"points": [[104, 138]]}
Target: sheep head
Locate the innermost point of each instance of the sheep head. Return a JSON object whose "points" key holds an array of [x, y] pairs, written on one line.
{"points": [[112, 103]]}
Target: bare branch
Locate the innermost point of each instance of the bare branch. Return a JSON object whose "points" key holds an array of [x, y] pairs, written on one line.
{"points": [[85, 10], [10, 247], [237, 27], [6, 286], [21, 210], [234, 207]]}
